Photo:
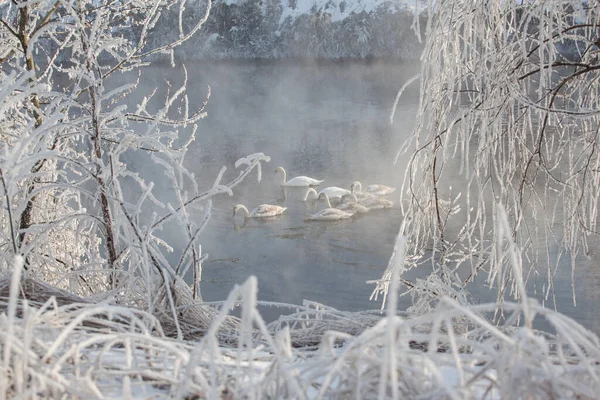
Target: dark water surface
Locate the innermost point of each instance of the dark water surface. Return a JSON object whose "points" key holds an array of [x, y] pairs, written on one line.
{"points": [[328, 121]]}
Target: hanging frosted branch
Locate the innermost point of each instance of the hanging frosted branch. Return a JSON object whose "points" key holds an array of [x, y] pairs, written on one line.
{"points": [[509, 99]]}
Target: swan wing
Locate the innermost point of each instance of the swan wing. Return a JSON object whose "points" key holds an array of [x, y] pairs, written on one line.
{"points": [[359, 208], [267, 210], [377, 203], [314, 182], [334, 191], [330, 214], [387, 203], [364, 196], [353, 207], [302, 181], [346, 206], [380, 190]]}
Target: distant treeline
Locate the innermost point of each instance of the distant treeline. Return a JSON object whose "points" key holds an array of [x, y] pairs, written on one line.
{"points": [[254, 29]]}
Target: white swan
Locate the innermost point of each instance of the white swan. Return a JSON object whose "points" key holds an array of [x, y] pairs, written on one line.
{"points": [[323, 196], [377, 190], [374, 203], [334, 192], [308, 192], [350, 203], [262, 211], [299, 181], [329, 213], [359, 194]]}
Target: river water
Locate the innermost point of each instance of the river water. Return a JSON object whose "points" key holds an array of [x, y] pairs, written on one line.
{"points": [[328, 121]]}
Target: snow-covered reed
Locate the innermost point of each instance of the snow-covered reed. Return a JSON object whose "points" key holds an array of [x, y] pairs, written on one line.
{"points": [[456, 352]]}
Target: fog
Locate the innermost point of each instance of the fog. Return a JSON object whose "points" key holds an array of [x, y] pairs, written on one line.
{"points": [[324, 120]]}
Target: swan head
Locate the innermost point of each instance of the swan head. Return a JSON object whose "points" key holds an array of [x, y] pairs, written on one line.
{"points": [[239, 207], [323, 196], [356, 187], [349, 197], [279, 169], [308, 193]]}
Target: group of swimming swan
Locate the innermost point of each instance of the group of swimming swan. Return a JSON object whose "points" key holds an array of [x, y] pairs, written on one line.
{"points": [[350, 201]]}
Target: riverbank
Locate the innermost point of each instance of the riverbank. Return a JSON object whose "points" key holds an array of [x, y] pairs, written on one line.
{"points": [[88, 350], [313, 29]]}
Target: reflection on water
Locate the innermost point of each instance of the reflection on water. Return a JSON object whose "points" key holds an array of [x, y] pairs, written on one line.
{"points": [[328, 121], [294, 260]]}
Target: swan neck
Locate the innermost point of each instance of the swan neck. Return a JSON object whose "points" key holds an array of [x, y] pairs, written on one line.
{"points": [[284, 179], [327, 200], [243, 208], [309, 191]]}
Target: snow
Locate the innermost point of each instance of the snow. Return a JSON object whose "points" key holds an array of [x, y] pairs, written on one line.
{"points": [[322, 29], [338, 9], [451, 352], [102, 351]]}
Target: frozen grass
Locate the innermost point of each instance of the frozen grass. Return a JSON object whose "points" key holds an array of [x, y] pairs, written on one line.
{"points": [[57, 345], [104, 351]]}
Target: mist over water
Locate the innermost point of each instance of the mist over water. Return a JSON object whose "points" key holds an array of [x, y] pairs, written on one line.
{"points": [[327, 121]]}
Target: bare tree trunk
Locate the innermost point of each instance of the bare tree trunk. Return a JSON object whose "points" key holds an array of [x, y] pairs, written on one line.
{"points": [[108, 221], [26, 215], [104, 190]]}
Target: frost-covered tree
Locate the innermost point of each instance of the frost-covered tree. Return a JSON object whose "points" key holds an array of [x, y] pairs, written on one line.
{"points": [[264, 29], [71, 205], [509, 115]]}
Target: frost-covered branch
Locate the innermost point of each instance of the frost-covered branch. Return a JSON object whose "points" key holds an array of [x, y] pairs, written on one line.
{"points": [[510, 113], [77, 138]]}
